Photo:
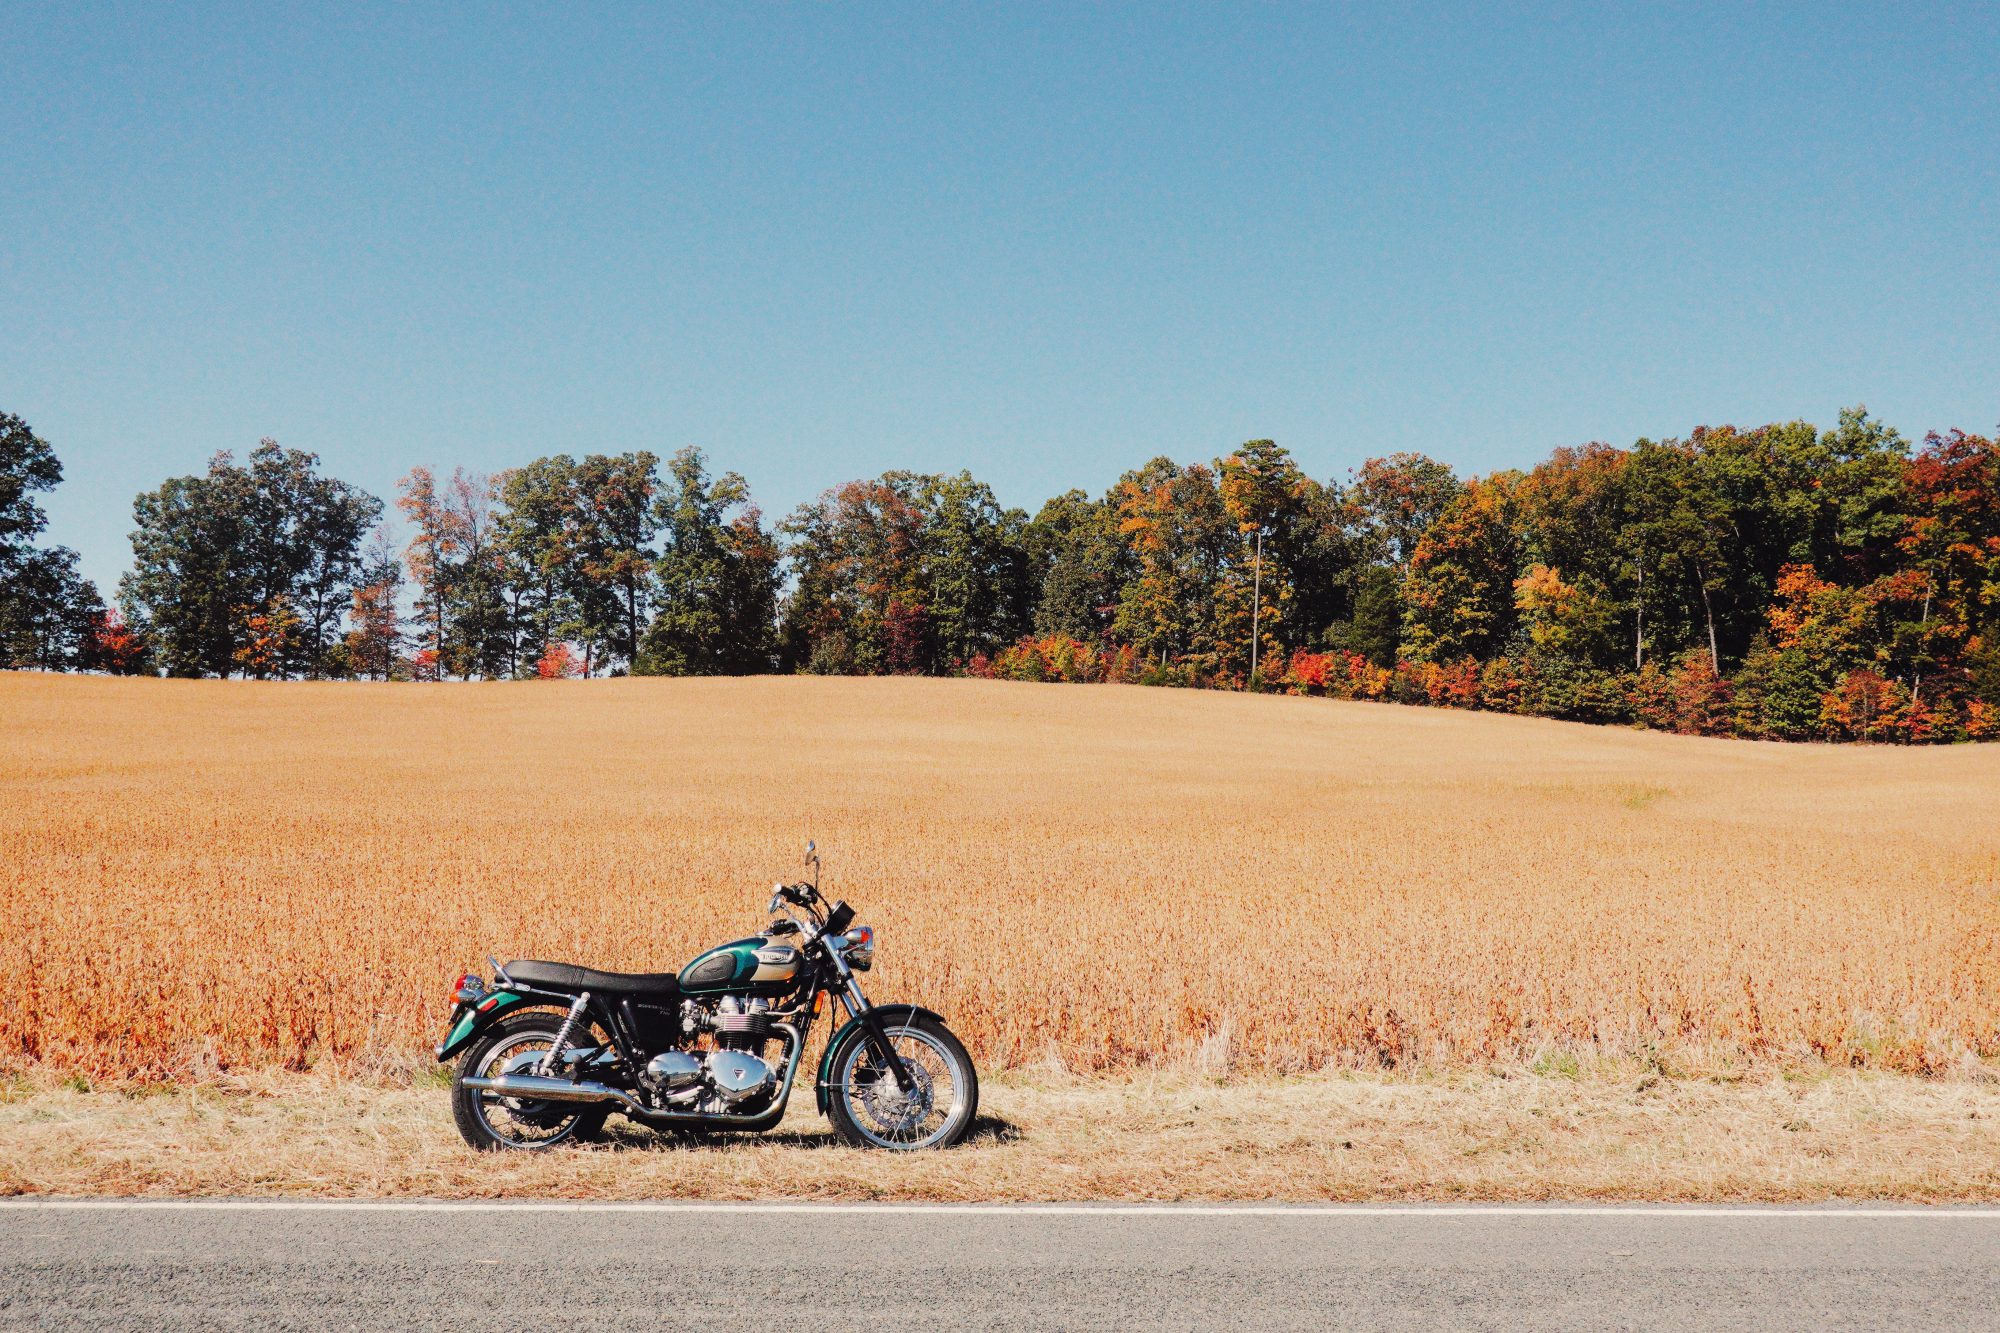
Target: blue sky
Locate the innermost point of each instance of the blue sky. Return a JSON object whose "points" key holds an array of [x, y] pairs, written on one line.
{"points": [[1043, 243]]}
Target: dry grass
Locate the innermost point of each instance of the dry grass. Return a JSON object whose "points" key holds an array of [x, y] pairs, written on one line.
{"points": [[204, 876], [1612, 1134]]}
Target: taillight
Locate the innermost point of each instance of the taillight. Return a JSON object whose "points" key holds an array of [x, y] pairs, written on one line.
{"points": [[467, 989]]}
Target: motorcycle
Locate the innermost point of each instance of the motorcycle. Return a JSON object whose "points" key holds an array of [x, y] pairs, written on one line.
{"points": [[547, 1052]]}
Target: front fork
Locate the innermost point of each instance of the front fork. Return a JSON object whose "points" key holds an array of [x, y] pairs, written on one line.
{"points": [[871, 1024]]}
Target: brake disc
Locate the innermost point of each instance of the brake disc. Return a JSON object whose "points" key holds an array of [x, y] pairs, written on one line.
{"points": [[893, 1109]]}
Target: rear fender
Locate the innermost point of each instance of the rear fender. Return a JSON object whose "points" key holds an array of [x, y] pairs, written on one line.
{"points": [[890, 1014], [468, 1023]]}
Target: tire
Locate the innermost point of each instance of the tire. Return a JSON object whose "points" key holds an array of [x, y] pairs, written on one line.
{"points": [[524, 1126], [867, 1109]]}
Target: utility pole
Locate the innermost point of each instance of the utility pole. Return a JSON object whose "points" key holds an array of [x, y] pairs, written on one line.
{"points": [[1256, 603]]}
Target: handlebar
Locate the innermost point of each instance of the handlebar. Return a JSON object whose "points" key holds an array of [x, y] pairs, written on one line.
{"points": [[802, 896]]}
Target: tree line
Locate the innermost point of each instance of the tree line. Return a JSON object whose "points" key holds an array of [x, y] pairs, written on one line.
{"points": [[1780, 582]]}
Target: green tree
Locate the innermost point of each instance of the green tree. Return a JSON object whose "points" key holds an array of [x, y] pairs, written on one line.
{"points": [[1563, 619], [973, 569], [1573, 517], [1363, 538], [1951, 538], [1267, 497], [856, 560], [1077, 564], [717, 577], [1374, 629], [221, 559], [1393, 501], [299, 551], [48, 611], [27, 465], [188, 589], [478, 638], [1674, 536], [908, 573], [1459, 591], [617, 522], [1325, 565], [1862, 510], [1182, 540], [536, 532], [1768, 486]]}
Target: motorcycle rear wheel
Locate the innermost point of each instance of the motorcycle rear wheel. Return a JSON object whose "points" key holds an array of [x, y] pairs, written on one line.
{"points": [[492, 1123]]}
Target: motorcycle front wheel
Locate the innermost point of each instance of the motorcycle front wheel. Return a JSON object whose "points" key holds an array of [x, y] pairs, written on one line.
{"points": [[869, 1110]]}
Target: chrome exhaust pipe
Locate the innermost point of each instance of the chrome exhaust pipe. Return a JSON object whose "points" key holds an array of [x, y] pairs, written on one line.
{"points": [[536, 1088]]}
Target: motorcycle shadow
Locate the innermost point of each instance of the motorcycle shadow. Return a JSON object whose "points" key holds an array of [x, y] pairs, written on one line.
{"points": [[628, 1137]]}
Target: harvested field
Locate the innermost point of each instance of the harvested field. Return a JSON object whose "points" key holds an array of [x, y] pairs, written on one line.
{"points": [[223, 876]]}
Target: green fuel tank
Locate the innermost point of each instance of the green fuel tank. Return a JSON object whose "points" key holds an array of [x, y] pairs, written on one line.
{"points": [[753, 966]]}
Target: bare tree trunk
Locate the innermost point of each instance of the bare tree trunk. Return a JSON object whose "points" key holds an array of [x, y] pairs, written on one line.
{"points": [[1923, 627], [513, 633], [1639, 619], [1256, 606], [631, 623], [1714, 652], [1708, 613]]}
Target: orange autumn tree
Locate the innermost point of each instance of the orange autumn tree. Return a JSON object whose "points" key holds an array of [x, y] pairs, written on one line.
{"points": [[558, 661], [269, 638]]}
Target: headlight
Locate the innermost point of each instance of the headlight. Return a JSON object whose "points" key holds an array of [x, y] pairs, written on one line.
{"points": [[860, 950]]}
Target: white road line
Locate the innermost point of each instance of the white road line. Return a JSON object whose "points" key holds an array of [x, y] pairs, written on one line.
{"points": [[1739, 1212]]}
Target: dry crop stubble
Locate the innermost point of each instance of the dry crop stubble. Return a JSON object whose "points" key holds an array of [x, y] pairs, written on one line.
{"points": [[230, 874], [1610, 1133]]}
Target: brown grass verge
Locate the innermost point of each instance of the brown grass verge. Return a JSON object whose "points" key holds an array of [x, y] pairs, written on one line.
{"points": [[1609, 1134]]}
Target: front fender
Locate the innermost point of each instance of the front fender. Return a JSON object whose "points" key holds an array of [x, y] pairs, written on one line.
{"points": [[472, 1022], [848, 1031]]}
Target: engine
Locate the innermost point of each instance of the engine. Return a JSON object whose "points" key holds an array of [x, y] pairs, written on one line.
{"points": [[739, 1023], [732, 1071]]}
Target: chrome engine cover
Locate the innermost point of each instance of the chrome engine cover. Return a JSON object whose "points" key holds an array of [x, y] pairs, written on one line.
{"points": [[736, 1075], [674, 1072]]}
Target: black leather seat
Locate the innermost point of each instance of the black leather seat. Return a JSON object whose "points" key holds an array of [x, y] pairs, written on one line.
{"points": [[570, 977]]}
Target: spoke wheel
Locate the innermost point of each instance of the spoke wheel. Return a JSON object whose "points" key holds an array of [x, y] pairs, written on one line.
{"points": [[870, 1110], [492, 1122]]}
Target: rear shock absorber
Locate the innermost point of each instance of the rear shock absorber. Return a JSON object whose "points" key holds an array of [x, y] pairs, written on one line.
{"points": [[562, 1034]]}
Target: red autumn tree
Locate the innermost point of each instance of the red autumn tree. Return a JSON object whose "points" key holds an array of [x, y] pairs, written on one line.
{"points": [[114, 647], [558, 662]]}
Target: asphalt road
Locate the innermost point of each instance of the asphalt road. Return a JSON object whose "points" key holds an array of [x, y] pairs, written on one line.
{"points": [[527, 1266]]}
